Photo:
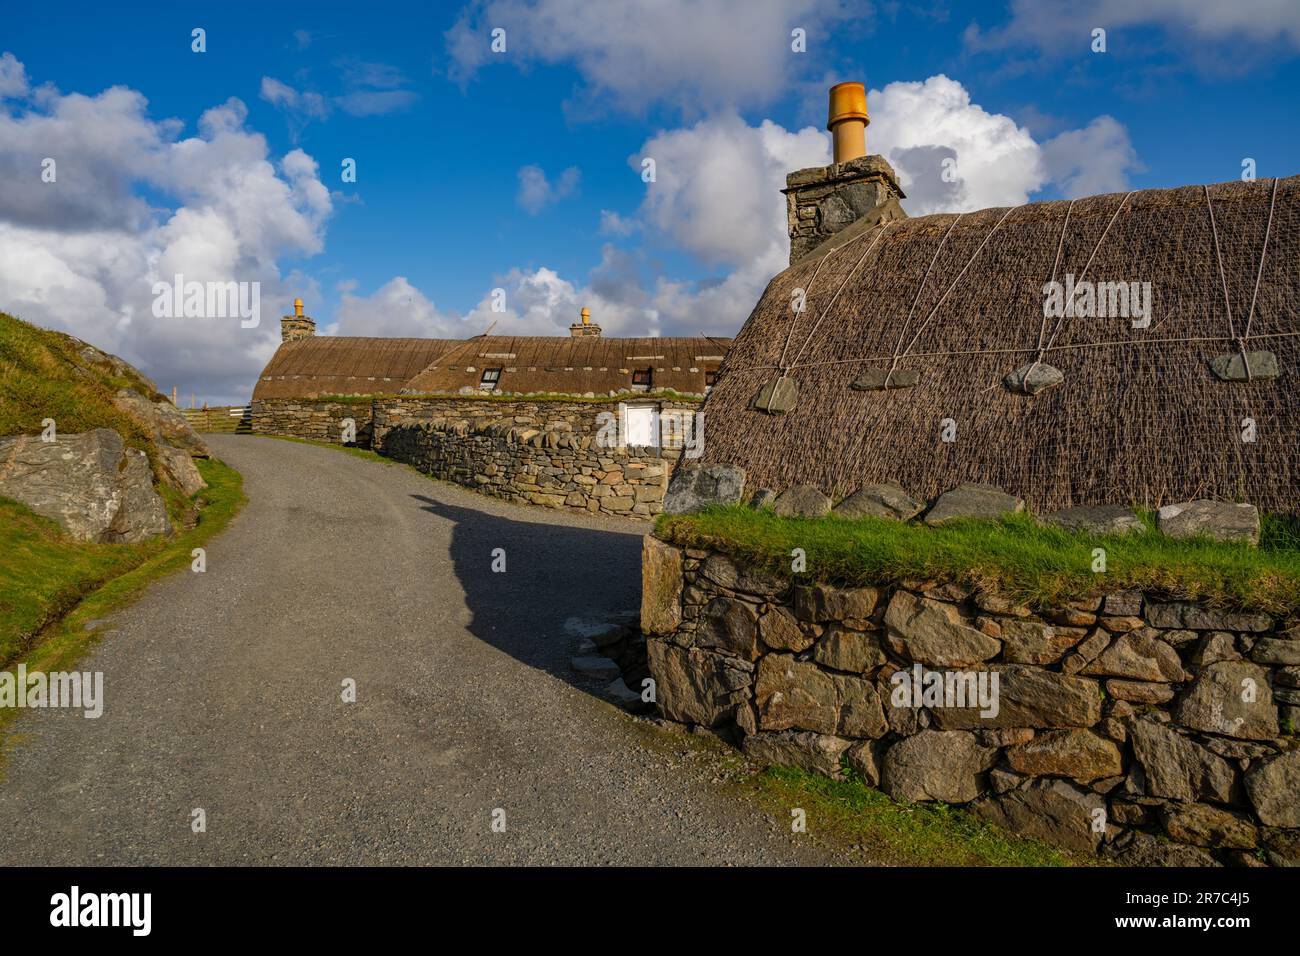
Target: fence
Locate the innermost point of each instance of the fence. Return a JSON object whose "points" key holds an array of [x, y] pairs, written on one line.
{"points": [[221, 418]]}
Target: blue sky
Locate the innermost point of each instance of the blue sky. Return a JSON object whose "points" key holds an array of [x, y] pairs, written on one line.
{"points": [[521, 170]]}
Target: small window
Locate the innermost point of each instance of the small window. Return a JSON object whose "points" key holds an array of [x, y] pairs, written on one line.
{"points": [[488, 383], [642, 377], [710, 378]]}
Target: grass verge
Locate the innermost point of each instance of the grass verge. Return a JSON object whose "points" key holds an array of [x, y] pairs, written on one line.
{"points": [[51, 588], [920, 834], [1042, 565]]}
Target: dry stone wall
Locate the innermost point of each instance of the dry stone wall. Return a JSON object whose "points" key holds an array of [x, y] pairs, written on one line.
{"points": [[312, 419], [1150, 730], [547, 453]]}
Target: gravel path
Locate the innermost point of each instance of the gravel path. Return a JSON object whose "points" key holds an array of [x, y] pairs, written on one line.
{"points": [[223, 692]]}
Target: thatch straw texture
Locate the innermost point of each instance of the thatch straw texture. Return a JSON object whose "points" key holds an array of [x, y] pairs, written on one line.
{"points": [[1139, 418], [573, 366], [345, 365]]}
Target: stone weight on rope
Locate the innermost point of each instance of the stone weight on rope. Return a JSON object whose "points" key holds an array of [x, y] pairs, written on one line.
{"points": [[777, 396], [878, 379], [1232, 367], [1033, 378]]}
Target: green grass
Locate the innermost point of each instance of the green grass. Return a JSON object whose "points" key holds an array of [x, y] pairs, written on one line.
{"points": [[51, 587], [1042, 565], [42, 376], [919, 834]]}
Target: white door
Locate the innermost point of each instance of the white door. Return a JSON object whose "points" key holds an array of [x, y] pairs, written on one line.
{"points": [[640, 430]]}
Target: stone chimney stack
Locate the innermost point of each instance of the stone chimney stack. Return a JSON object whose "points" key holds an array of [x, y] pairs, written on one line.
{"points": [[825, 199], [296, 326], [586, 327]]}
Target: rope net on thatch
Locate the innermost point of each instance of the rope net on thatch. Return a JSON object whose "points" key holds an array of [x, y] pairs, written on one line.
{"points": [[1139, 416], [345, 365]]}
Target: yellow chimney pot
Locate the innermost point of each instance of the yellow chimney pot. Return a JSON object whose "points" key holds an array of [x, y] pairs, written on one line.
{"points": [[847, 120], [586, 316], [297, 307]]}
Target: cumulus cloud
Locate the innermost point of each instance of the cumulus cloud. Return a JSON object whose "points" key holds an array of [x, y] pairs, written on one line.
{"points": [[369, 89], [83, 254], [13, 77], [536, 192], [1094, 159], [698, 57], [613, 224], [918, 125], [397, 309]]}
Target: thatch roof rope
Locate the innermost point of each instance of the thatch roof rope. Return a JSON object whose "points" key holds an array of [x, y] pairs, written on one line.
{"points": [[1060, 247], [921, 285], [943, 298], [1240, 341], [822, 314], [1066, 312], [1017, 351]]}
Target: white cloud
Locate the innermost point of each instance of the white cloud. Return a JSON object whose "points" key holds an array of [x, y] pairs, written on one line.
{"points": [[717, 185], [696, 56], [1055, 24], [13, 77], [1094, 159], [612, 224], [916, 125], [536, 192], [396, 309], [83, 254]]}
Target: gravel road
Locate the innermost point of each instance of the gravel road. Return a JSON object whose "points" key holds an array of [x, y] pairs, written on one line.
{"points": [[223, 692]]}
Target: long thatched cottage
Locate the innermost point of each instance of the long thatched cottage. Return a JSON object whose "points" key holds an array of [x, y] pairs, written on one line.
{"points": [[1135, 348]]}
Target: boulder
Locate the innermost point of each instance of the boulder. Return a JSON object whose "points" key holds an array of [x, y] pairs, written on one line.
{"points": [[1033, 378], [1274, 790], [1033, 642], [661, 586], [932, 632], [1139, 692], [887, 500], [795, 695], [822, 602], [1214, 647], [815, 753], [779, 630], [1142, 849], [802, 501], [844, 650], [697, 686], [972, 501], [1031, 697], [879, 379], [1203, 825], [1221, 520], [1096, 519], [1255, 366], [729, 625], [165, 420], [1275, 650], [1138, 655], [777, 396], [763, 499], [594, 665], [1179, 768], [91, 484], [1079, 754], [935, 765], [699, 486], [1053, 810], [180, 470], [1231, 698], [864, 758], [861, 714], [1183, 615], [743, 577]]}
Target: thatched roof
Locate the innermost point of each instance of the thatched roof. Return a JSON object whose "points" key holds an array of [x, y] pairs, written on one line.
{"points": [[573, 366], [1139, 416], [345, 365]]}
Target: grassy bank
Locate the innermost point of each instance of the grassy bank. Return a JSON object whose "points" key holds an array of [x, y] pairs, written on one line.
{"points": [[919, 834], [1016, 555], [52, 586]]}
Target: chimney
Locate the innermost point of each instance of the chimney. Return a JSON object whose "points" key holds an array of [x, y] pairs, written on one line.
{"points": [[296, 326], [586, 327], [855, 187]]}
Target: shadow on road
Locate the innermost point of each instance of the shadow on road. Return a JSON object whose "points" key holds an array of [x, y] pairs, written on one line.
{"points": [[556, 579]]}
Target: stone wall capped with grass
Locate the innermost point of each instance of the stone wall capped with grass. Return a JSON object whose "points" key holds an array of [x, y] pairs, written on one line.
{"points": [[1127, 723], [312, 418]]}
